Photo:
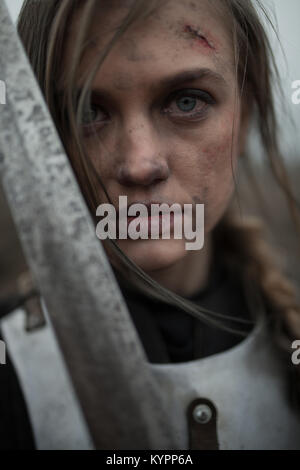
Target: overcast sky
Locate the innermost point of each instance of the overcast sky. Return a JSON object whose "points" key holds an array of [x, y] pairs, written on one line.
{"points": [[288, 17]]}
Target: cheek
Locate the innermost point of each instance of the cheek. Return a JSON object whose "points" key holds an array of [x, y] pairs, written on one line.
{"points": [[102, 166], [97, 169], [220, 162], [205, 163], [207, 174]]}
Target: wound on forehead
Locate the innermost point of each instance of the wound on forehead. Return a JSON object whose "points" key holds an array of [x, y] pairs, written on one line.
{"points": [[197, 34]]}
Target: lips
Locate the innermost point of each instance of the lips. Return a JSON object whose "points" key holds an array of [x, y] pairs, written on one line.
{"points": [[153, 224], [145, 205], [150, 209], [158, 218]]}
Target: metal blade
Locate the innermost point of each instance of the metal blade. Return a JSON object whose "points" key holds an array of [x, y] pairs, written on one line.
{"points": [[120, 399]]}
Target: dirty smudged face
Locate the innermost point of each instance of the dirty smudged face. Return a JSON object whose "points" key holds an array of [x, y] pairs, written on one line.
{"points": [[160, 125]]}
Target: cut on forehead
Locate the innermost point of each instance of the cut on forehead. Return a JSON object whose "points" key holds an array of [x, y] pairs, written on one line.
{"points": [[196, 23], [108, 15]]}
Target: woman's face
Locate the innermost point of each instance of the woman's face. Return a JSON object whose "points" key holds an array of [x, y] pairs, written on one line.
{"points": [[166, 115]]}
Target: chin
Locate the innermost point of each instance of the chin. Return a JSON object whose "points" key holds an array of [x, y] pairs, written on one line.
{"points": [[154, 255]]}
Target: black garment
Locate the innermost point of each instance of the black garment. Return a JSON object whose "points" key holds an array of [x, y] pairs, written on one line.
{"points": [[15, 428], [169, 334]]}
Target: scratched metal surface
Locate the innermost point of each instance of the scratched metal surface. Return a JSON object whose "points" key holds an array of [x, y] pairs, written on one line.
{"points": [[119, 397]]}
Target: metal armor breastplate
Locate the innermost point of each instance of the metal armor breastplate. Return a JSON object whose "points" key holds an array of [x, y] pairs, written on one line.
{"points": [[243, 390], [247, 385]]}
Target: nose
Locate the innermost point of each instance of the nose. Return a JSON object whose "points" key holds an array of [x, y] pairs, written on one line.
{"points": [[142, 159]]}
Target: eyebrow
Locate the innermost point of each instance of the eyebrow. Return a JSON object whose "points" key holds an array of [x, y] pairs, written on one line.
{"points": [[191, 76], [173, 81]]}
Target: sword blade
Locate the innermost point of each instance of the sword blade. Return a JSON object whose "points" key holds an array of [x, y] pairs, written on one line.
{"points": [[120, 399]]}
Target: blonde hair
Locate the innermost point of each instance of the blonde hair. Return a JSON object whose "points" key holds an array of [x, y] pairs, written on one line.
{"points": [[43, 26]]}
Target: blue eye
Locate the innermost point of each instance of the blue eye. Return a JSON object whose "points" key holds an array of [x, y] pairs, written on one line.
{"points": [[92, 115], [186, 103], [192, 104], [89, 115]]}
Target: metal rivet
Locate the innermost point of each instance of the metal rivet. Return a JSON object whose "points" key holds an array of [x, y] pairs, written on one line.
{"points": [[202, 414]]}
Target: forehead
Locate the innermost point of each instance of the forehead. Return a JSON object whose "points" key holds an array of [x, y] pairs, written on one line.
{"points": [[175, 33]]}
